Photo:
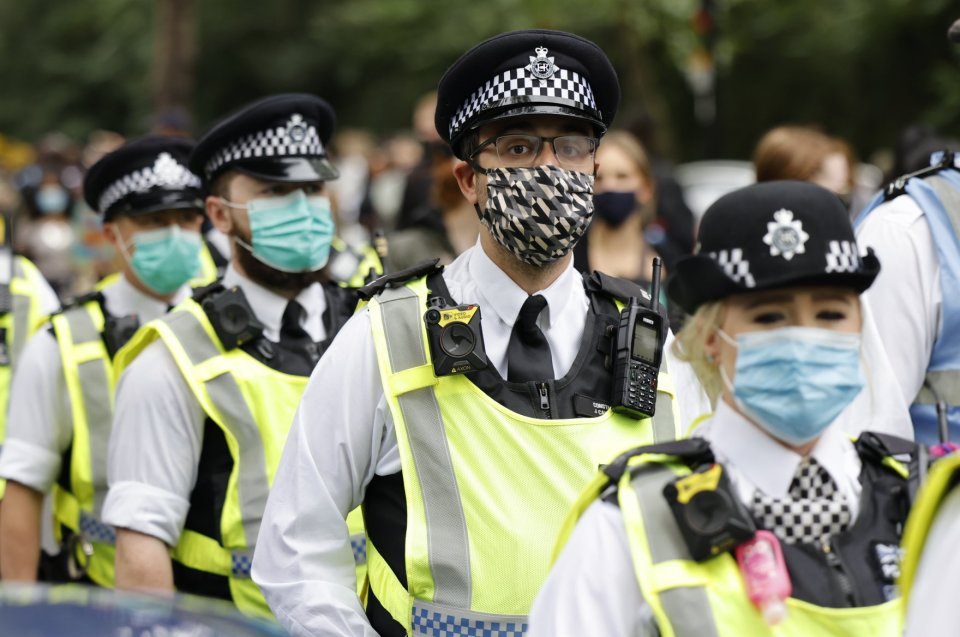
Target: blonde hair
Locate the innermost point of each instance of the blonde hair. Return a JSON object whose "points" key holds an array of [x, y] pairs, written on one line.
{"points": [[691, 342]]}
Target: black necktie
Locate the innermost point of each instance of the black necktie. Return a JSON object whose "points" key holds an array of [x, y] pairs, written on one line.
{"points": [[298, 348], [813, 510], [528, 354]]}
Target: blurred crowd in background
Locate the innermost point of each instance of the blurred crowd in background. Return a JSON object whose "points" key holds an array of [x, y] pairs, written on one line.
{"points": [[402, 185]]}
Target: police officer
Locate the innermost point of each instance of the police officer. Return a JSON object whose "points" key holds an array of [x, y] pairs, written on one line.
{"points": [[466, 408], [775, 331], [206, 394], [913, 224], [61, 414]]}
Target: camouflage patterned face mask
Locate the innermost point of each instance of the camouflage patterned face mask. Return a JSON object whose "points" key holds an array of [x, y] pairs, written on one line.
{"points": [[537, 213]]}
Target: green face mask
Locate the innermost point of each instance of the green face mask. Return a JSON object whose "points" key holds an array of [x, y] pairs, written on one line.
{"points": [[165, 259]]}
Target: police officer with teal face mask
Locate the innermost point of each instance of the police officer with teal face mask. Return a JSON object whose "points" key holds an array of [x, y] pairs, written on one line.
{"points": [[207, 393], [61, 407]]}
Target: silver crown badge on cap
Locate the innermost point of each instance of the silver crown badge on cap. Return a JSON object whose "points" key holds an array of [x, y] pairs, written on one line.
{"points": [[785, 236], [296, 129], [541, 66]]}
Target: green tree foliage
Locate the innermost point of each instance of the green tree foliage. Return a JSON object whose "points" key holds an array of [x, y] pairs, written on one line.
{"points": [[861, 68]]}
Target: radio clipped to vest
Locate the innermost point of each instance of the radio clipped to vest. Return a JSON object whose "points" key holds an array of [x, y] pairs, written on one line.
{"points": [[711, 518], [638, 350], [456, 340], [230, 314]]}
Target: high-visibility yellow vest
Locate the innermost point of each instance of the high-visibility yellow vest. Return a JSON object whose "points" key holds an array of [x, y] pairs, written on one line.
{"points": [[252, 406], [364, 264], [18, 324], [709, 598], [80, 490], [941, 479], [486, 488]]}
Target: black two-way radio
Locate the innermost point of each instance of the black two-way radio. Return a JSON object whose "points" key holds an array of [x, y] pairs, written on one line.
{"points": [[639, 350]]}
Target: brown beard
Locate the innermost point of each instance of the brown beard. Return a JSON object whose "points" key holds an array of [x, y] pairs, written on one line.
{"points": [[261, 273]]}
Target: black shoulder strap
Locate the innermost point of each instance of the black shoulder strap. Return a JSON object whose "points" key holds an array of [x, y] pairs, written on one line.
{"points": [[424, 268], [898, 186], [875, 448], [693, 451], [615, 287], [341, 304]]}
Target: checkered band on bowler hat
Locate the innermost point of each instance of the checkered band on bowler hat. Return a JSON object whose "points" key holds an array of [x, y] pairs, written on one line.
{"points": [[771, 235], [143, 176], [280, 138], [527, 72]]}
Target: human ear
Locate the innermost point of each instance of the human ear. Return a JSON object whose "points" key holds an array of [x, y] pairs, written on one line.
{"points": [[466, 178]]}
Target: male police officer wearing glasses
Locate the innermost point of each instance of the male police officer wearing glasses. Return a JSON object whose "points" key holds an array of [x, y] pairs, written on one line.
{"points": [[465, 446]]}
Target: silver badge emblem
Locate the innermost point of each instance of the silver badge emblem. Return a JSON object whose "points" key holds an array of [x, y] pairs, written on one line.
{"points": [[541, 66], [296, 129], [784, 235], [167, 171]]}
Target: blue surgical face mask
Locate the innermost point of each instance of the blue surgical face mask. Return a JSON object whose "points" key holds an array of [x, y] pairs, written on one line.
{"points": [[614, 207], [165, 259], [290, 233], [52, 199], [794, 381]]}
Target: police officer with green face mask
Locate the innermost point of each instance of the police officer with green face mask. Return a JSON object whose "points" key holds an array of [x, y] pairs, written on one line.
{"points": [[207, 393], [60, 415]]}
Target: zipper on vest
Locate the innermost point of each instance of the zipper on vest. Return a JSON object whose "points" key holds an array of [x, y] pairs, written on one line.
{"points": [[843, 579], [544, 397]]}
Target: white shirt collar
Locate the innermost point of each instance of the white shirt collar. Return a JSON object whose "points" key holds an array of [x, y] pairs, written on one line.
{"points": [[268, 306], [123, 299], [510, 297], [765, 463]]}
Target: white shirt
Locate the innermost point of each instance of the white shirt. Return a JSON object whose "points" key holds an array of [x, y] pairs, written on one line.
{"points": [[342, 436], [932, 607], [40, 422], [593, 590], [906, 298], [158, 423]]}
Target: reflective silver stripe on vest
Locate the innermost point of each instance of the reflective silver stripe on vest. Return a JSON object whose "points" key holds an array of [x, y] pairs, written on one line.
{"points": [[21, 319], [252, 484], [664, 425], [687, 608], [96, 396], [946, 383], [447, 544], [435, 620]]}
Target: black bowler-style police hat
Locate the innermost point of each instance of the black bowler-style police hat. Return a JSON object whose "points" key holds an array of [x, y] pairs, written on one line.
{"points": [[143, 176], [771, 235], [278, 138], [526, 72]]}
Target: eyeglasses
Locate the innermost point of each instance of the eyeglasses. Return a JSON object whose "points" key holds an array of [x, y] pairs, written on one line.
{"points": [[575, 152]]}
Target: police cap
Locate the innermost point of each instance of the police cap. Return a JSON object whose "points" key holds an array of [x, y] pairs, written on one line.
{"points": [[278, 138], [771, 235], [143, 176], [526, 72]]}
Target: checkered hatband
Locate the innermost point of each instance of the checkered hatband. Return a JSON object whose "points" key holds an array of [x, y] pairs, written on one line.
{"points": [[564, 86], [842, 257], [735, 266], [538, 213], [812, 512], [292, 139], [166, 173]]}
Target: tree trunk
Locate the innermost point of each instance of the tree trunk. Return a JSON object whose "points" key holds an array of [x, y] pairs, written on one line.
{"points": [[174, 58]]}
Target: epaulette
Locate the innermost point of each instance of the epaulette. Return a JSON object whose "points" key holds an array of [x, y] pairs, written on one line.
{"points": [[203, 291], [693, 451], [83, 299], [394, 279], [614, 287], [899, 185]]}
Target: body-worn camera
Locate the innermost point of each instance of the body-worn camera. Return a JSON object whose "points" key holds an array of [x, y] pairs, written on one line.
{"points": [[117, 330], [232, 317], [711, 518], [456, 341]]}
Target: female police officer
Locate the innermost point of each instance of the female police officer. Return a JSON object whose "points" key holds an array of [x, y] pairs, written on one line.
{"points": [[775, 332]]}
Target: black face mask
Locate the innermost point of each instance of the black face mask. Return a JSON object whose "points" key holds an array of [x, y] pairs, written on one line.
{"points": [[615, 207]]}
